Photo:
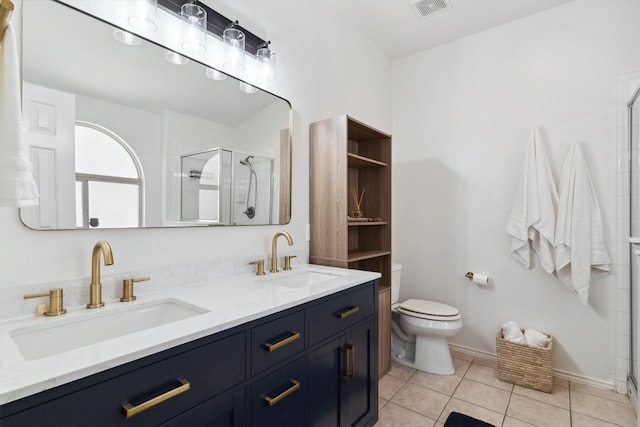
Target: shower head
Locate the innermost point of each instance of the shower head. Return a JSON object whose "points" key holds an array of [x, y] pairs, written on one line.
{"points": [[246, 161]]}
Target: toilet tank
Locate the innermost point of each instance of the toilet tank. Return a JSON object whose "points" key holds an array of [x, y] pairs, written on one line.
{"points": [[396, 270]]}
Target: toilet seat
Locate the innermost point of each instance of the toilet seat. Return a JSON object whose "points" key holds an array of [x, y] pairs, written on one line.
{"points": [[430, 310]]}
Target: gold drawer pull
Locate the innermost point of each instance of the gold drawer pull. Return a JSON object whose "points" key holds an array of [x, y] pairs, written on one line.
{"points": [[273, 400], [277, 345], [131, 410], [343, 314], [349, 362]]}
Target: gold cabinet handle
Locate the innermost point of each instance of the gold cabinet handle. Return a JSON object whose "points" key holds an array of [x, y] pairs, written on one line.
{"points": [[295, 385], [282, 343], [343, 314], [349, 362], [131, 410]]}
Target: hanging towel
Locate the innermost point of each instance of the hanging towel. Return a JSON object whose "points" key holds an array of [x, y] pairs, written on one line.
{"points": [[17, 186], [580, 254], [533, 216]]}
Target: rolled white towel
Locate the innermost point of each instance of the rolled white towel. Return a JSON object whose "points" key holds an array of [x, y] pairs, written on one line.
{"points": [[536, 338], [512, 332]]}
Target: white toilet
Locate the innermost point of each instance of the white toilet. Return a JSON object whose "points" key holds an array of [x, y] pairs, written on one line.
{"points": [[419, 331]]}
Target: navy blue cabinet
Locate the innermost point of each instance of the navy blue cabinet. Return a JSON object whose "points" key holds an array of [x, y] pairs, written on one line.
{"points": [[314, 364]]}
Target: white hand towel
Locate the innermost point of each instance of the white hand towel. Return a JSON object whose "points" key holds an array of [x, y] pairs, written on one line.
{"points": [[536, 338], [17, 186], [533, 216], [580, 254], [512, 332]]}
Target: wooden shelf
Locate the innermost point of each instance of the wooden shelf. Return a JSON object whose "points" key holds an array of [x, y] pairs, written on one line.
{"points": [[335, 240], [362, 255], [364, 224], [357, 161]]}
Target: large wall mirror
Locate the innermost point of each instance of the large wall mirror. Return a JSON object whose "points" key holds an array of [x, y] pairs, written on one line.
{"points": [[122, 138]]}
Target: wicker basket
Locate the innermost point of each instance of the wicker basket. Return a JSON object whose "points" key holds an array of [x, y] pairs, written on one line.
{"points": [[525, 365]]}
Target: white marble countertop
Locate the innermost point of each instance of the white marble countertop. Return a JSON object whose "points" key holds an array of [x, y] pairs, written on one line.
{"points": [[229, 302]]}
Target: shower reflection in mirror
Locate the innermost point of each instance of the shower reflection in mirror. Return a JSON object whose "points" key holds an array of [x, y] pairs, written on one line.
{"points": [[222, 187]]}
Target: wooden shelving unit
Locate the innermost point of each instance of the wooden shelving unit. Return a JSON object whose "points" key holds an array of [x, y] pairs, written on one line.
{"points": [[346, 153]]}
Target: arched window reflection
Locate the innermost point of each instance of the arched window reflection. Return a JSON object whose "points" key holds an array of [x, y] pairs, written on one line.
{"points": [[109, 180]]}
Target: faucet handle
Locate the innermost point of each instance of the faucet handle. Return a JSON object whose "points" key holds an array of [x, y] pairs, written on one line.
{"points": [[56, 306], [127, 288], [287, 261], [260, 264]]}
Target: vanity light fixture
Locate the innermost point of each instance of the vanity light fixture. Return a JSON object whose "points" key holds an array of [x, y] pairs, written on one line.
{"points": [[247, 88], [126, 37], [143, 14], [214, 74], [233, 39], [175, 58], [194, 28], [266, 65]]}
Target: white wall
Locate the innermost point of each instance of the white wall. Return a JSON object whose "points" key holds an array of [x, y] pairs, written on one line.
{"points": [[461, 116], [324, 69]]}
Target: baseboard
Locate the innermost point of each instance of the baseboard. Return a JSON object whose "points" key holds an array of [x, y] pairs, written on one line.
{"points": [[558, 373]]}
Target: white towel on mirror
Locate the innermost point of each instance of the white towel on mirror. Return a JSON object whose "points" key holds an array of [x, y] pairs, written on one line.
{"points": [[580, 254], [17, 186], [533, 216]]}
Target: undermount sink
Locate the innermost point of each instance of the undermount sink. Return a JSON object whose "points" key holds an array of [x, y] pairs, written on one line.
{"points": [[94, 327], [305, 278]]}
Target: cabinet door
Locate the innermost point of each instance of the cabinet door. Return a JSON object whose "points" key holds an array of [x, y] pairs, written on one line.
{"points": [[226, 411], [361, 395], [325, 370]]}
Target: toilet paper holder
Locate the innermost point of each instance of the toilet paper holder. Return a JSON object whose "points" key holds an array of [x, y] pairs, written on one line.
{"points": [[478, 279]]}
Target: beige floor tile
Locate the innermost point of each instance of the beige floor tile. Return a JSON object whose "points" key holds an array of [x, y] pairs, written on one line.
{"points": [[487, 375], [421, 399], [381, 403], [461, 366], [483, 395], [438, 424], [401, 371], [580, 420], [607, 394], [388, 386], [492, 363], [486, 415], [393, 415], [513, 422], [537, 413], [443, 383], [603, 409], [462, 356], [559, 396]]}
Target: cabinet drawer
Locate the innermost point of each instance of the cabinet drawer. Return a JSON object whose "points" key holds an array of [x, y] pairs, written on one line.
{"points": [[278, 400], [336, 314], [209, 370], [276, 340]]}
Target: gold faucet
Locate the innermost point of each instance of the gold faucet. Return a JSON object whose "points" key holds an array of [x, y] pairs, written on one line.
{"points": [[274, 249], [95, 288]]}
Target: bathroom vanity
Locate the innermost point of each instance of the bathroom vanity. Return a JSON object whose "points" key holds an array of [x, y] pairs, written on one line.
{"points": [[291, 349]]}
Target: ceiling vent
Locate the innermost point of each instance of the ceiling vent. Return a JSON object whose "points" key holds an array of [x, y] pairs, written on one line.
{"points": [[426, 8]]}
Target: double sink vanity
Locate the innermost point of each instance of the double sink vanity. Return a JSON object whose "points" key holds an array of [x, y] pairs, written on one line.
{"points": [[294, 348]]}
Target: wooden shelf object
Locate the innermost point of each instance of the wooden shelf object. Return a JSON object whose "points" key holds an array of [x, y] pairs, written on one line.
{"points": [[346, 153]]}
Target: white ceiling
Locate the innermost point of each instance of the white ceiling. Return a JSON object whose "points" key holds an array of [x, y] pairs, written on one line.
{"points": [[395, 27]]}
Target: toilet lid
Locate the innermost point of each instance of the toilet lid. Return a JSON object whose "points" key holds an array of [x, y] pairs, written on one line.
{"points": [[428, 310]]}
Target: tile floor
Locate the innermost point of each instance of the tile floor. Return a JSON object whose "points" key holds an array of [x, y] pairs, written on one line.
{"points": [[410, 398]]}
